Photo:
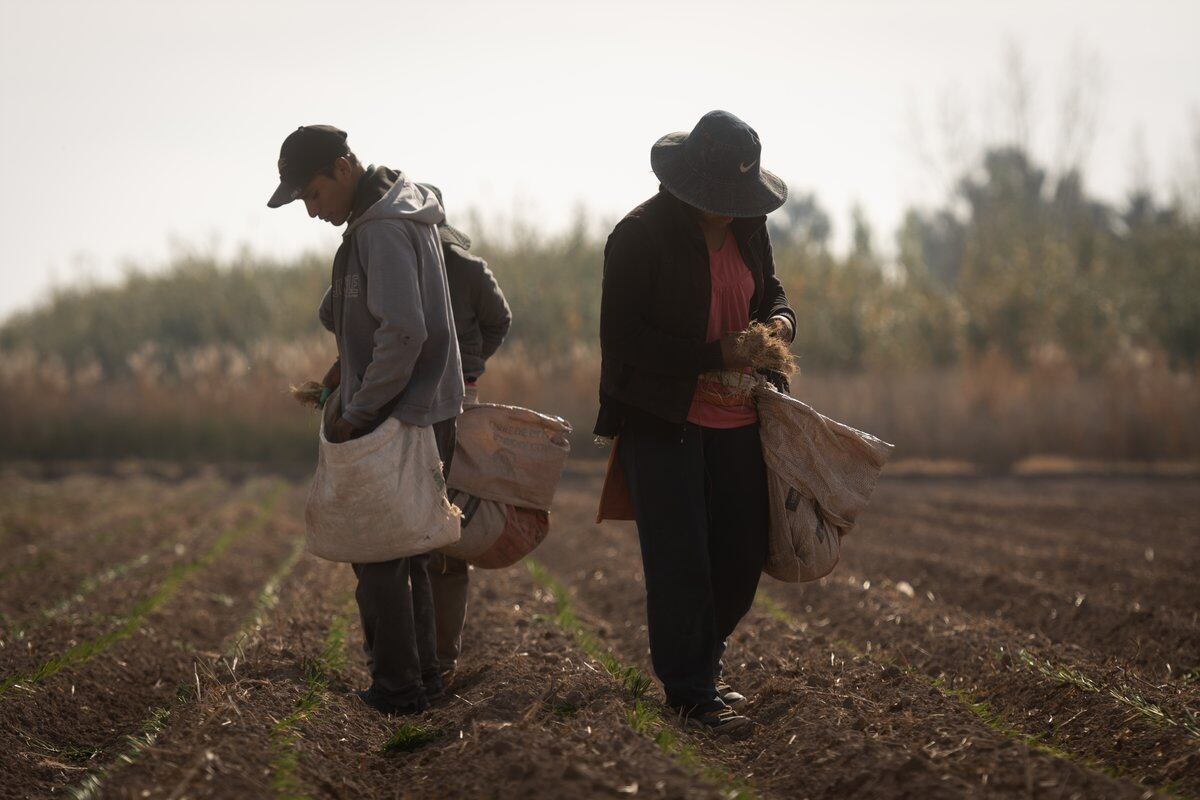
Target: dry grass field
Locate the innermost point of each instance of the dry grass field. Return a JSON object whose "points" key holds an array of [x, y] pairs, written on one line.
{"points": [[163, 635], [232, 404]]}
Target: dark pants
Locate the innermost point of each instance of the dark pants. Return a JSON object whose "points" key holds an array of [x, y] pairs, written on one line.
{"points": [[450, 578], [702, 515], [395, 602]]}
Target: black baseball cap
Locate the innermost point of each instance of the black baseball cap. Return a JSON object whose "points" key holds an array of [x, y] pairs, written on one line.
{"points": [[305, 152]]}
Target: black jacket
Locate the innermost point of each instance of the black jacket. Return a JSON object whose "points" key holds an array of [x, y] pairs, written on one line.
{"points": [[481, 314], [654, 309]]}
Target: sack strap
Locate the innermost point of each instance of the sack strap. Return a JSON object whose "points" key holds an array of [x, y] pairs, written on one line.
{"points": [[469, 508]]}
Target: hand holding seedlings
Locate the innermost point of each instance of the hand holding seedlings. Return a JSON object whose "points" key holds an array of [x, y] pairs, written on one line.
{"points": [[308, 394], [313, 394], [759, 346]]}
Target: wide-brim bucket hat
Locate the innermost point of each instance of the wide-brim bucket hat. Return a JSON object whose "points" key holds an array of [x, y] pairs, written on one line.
{"points": [[718, 168]]}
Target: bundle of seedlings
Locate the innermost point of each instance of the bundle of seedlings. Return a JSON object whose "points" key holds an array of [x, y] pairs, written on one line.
{"points": [[762, 346], [308, 394], [765, 349]]}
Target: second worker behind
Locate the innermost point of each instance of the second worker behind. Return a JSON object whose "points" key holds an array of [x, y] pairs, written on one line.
{"points": [[481, 320]]}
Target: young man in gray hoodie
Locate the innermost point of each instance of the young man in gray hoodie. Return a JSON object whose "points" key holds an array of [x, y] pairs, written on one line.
{"points": [[389, 310]]}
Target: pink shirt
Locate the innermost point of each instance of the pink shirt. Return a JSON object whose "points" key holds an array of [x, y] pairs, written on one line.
{"points": [[728, 312]]}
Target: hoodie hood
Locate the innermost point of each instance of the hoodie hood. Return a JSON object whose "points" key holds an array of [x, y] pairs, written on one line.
{"points": [[388, 194], [447, 232]]}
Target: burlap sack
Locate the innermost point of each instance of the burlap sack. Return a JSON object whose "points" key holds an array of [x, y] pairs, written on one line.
{"points": [[510, 455], [820, 475], [379, 497], [496, 535]]}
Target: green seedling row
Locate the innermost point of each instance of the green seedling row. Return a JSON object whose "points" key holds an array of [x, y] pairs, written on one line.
{"points": [[267, 599], [126, 523], [90, 787], [975, 705], [285, 734], [89, 585], [408, 737], [646, 716], [133, 621], [1069, 676], [135, 744]]}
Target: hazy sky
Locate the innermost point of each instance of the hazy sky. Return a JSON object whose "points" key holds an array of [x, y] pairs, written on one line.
{"points": [[129, 125]]}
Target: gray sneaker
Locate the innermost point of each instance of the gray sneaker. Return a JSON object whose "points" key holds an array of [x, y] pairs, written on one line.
{"points": [[731, 696]]}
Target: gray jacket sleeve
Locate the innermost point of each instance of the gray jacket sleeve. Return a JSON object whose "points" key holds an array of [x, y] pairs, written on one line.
{"points": [[394, 300], [491, 309], [325, 312]]}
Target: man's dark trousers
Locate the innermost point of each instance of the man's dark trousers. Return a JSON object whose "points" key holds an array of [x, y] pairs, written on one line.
{"points": [[395, 602], [700, 498]]}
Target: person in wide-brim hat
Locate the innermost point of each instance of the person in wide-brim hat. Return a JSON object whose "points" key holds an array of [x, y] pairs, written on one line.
{"points": [[686, 273]]}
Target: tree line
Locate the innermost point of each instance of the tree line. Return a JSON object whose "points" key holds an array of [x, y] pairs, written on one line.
{"points": [[1015, 261]]}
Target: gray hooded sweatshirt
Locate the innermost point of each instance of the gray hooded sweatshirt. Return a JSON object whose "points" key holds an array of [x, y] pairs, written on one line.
{"points": [[394, 326]]}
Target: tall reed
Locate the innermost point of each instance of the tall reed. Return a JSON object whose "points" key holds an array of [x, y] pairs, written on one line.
{"points": [[228, 403]]}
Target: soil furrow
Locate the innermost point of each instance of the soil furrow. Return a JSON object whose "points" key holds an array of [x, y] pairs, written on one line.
{"points": [[230, 716], [1118, 516], [1115, 725], [1139, 752], [525, 711], [73, 640], [950, 654], [90, 709], [646, 717], [1148, 636], [1128, 563], [318, 673], [832, 711], [40, 536], [32, 511], [984, 658], [111, 583], [100, 778]]}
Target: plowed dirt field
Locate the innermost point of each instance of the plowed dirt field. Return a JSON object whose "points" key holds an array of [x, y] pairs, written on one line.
{"points": [[165, 636]]}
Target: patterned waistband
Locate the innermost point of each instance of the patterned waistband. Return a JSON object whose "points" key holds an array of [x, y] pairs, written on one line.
{"points": [[727, 388]]}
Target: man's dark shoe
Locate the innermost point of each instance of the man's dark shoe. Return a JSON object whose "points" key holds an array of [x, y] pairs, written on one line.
{"points": [[434, 689], [383, 706], [731, 696], [716, 719]]}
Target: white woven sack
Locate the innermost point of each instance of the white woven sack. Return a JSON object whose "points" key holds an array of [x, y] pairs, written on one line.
{"points": [[820, 475], [379, 497]]}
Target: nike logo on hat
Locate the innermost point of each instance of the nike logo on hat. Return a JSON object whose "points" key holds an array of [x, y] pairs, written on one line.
{"points": [[747, 167]]}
